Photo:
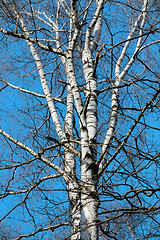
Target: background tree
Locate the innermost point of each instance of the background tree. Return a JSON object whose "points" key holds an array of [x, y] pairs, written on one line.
{"points": [[7, 231], [80, 118]]}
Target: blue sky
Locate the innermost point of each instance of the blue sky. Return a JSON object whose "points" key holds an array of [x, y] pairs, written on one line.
{"points": [[22, 114]]}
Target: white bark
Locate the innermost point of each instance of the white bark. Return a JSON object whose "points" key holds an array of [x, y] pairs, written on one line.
{"points": [[97, 28], [44, 83], [88, 186], [91, 95], [89, 169], [89, 202], [47, 93], [70, 167], [94, 23], [69, 161], [74, 12]]}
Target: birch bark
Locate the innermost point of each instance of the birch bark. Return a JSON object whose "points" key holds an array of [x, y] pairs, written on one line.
{"points": [[89, 168], [88, 188], [70, 168], [69, 159]]}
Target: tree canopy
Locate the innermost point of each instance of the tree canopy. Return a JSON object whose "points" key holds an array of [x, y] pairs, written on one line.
{"points": [[79, 121]]}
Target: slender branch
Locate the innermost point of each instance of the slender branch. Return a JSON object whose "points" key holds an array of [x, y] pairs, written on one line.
{"points": [[36, 184], [29, 92], [128, 134], [33, 153], [51, 228], [32, 40], [119, 76], [93, 22], [124, 41]]}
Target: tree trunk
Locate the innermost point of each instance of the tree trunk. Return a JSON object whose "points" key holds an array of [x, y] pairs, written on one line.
{"points": [[89, 200]]}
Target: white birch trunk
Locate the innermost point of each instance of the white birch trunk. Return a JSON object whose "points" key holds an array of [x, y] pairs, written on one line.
{"points": [[89, 169], [70, 167], [73, 195], [89, 200], [44, 83], [69, 161], [88, 186], [91, 95], [97, 29]]}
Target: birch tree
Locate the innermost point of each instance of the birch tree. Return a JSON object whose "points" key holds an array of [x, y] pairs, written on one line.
{"points": [[79, 91]]}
